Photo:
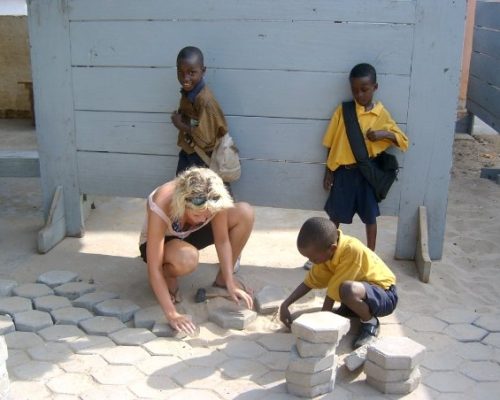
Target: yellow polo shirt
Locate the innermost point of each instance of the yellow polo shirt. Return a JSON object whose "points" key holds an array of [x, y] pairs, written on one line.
{"points": [[377, 119], [352, 261]]}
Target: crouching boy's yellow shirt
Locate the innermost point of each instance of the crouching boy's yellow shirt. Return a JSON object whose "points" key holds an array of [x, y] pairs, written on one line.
{"points": [[352, 261]]}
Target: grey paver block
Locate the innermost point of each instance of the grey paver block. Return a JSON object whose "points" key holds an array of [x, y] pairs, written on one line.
{"points": [[457, 316], [70, 383], [401, 387], [73, 290], [441, 361], [481, 371], [228, 318], [125, 355], [275, 360], [243, 349], [32, 321], [6, 286], [238, 368], [310, 391], [465, 332], [277, 341], [472, 351], [161, 365], [83, 363], [57, 278], [424, 323], [493, 339], [70, 315], [90, 300], [490, 322], [16, 357], [309, 349], [60, 333], [15, 304], [4, 353], [241, 388], [317, 378], [147, 317], [36, 371], [199, 377], [22, 340], [392, 352], [32, 290], [117, 374], [203, 357], [119, 308], [168, 347], [309, 365], [51, 351], [386, 375], [6, 324], [102, 325], [154, 387], [51, 302], [194, 394], [132, 336], [356, 359], [320, 327], [28, 390], [449, 382], [108, 392], [269, 299], [91, 344], [163, 329]]}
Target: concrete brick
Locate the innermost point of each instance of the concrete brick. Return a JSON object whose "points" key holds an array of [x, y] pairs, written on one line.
{"points": [[36, 371], [386, 375], [91, 344], [168, 347], [243, 348], [29, 390], [320, 327], [194, 394], [125, 355], [442, 361], [6, 286], [275, 360], [310, 391], [203, 357], [102, 325], [32, 290], [57, 278], [90, 300], [228, 318], [465, 332], [4, 353], [61, 333], [401, 387], [108, 392], [161, 365], [457, 316], [6, 324], [15, 304], [117, 374], [163, 329], [269, 299], [356, 359], [394, 352], [51, 302], [493, 339], [199, 377], [309, 365], [481, 371], [317, 378], [82, 363], [424, 323], [154, 387], [147, 317], [490, 322], [16, 357], [247, 369], [51, 351], [122, 309], [450, 382], [277, 341], [132, 336], [70, 383], [70, 315], [308, 349], [22, 340], [73, 290], [32, 321]]}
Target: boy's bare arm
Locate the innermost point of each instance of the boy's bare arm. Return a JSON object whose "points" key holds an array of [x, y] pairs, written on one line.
{"points": [[179, 123], [328, 178], [299, 292], [328, 304], [380, 135]]}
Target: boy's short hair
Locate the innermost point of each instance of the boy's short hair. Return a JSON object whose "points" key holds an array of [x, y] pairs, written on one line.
{"points": [[363, 70], [190, 52], [317, 231]]}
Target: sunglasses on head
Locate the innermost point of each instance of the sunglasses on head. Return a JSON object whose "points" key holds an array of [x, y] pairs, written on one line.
{"points": [[200, 200]]}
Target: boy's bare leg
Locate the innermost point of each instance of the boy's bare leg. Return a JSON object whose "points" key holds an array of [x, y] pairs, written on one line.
{"points": [[352, 295], [328, 304], [371, 235]]}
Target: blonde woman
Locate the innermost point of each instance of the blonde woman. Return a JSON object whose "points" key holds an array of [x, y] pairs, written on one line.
{"points": [[185, 215]]}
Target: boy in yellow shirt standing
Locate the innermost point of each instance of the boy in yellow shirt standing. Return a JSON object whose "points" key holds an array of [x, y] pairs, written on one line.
{"points": [[352, 273], [350, 192]]}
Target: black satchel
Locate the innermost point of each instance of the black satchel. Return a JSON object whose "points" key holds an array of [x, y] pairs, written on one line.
{"points": [[381, 171]]}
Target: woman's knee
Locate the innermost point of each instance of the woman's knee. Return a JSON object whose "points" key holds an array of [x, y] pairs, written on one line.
{"points": [[244, 212]]}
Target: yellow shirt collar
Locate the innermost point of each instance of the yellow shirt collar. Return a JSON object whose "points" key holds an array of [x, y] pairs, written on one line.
{"points": [[377, 108]]}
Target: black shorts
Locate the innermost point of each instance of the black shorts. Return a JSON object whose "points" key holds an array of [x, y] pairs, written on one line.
{"points": [[381, 302], [200, 239]]}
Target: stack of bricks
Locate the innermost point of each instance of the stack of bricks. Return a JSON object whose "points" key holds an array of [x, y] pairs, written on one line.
{"points": [[312, 367], [392, 365], [4, 375]]}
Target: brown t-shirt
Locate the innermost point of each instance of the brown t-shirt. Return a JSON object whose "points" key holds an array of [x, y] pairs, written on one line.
{"points": [[206, 119]]}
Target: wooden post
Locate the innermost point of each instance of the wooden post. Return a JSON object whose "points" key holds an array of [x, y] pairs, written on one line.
{"points": [[432, 108], [53, 92]]}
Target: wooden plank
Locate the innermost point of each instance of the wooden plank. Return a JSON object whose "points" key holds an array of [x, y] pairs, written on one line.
{"points": [[262, 182], [485, 68], [55, 228], [431, 120], [253, 44], [485, 115], [283, 94], [485, 95], [402, 11], [19, 164], [55, 127], [486, 42], [422, 258], [487, 14]]}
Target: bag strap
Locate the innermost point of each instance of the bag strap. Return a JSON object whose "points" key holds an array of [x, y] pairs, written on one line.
{"points": [[354, 134]]}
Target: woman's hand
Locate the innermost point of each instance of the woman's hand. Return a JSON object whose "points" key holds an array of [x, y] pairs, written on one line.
{"points": [[182, 323], [238, 294]]}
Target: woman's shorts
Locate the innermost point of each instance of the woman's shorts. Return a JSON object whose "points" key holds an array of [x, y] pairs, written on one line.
{"points": [[200, 239], [350, 194], [381, 302]]}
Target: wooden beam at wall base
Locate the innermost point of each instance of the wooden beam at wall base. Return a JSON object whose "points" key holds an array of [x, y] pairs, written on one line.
{"points": [[422, 258], [55, 228]]}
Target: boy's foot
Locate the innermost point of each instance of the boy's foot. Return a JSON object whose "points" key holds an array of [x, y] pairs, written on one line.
{"points": [[308, 265], [367, 334]]}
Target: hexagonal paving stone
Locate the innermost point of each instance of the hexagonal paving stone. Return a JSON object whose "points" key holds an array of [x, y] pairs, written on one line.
{"points": [[70, 315], [73, 290], [51, 351], [161, 365], [426, 324], [22, 340], [457, 316], [243, 368], [61, 333], [132, 336], [243, 348], [91, 344], [125, 355], [396, 353], [465, 332], [229, 318], [117, 374], [194, 394], [108, 392], [198, 377], [154, 387], [27, 390], [119, 308], [147, 317], [203, 357], [83, 363], [36, 371], [243, 389], [32, 290], [70, 383], [168, 347], [277, 341], [16, 357], [482, 390], [90, 300], [493, 339], [481, 371], [472, 351], [490, 322], [15, 304], [6, 286], [441, 361], [102, 325], [57, 278], [51, 302], [6, 324], [448, 382], [275, 360], [32, 321]]}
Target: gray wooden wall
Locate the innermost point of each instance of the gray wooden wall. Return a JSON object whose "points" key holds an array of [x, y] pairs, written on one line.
{"points": [[105, 85], [483, 94]]}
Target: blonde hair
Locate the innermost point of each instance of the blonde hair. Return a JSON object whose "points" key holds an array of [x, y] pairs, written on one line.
{"points": [[195, 185]]}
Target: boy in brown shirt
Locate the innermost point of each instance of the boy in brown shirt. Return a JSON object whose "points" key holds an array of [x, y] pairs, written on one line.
{"points": [[200, 120]]}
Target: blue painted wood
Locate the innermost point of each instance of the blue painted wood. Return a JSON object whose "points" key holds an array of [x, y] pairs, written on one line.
{"points": [[484, 94], [484, 114], [487, 14], [55, 227], [485, 68], [486, 41]]}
